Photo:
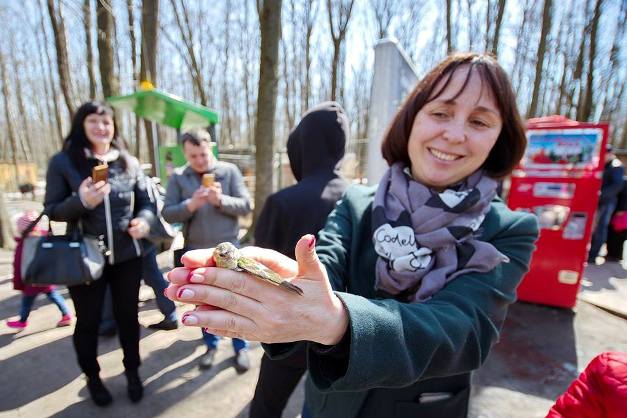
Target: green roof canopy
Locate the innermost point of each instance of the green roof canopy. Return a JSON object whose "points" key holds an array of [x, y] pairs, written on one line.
{"points": [[165, 109]]}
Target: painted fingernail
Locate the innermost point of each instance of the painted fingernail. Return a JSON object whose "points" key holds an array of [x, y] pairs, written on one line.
{"points": [[312, 242], [185, 294], [189, 319], [189, 275], [196, 278], [205, 330]]}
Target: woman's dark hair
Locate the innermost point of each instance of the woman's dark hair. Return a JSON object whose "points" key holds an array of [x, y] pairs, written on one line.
{"points": [[511, 143], [76, 141]]}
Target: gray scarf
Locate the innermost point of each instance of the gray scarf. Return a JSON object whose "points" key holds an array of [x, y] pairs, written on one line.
{"points": [[425, 238]]}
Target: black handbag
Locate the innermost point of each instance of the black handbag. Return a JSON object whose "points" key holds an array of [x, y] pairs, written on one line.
{"points": [[68, 259]]}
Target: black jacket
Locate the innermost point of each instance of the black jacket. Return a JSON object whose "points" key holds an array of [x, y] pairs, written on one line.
{"points": [[612, 181], [314, 148], [128, 199]]}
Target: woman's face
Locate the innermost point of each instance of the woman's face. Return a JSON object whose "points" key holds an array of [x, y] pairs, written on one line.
{"points": [[451, 138], [99, 130]]}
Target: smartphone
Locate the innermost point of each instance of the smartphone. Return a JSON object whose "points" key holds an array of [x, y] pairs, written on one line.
{"points": [[100, 173], [208, 179]]}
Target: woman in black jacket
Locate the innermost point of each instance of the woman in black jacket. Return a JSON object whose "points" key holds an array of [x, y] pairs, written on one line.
{"points": [[120, 211]]}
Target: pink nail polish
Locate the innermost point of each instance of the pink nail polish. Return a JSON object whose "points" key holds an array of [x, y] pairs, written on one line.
{"points": [[189, 275], [179, 293], [312, 242]]}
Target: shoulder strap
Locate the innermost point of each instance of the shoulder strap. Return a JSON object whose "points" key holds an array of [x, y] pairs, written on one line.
{"points": [[32, 225]]}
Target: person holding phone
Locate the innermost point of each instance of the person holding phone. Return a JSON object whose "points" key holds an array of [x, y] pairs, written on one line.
{"points": [[96, 185], [207, 196]]}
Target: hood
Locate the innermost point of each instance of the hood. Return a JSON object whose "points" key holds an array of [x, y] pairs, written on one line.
{"points": [[319, 140]]}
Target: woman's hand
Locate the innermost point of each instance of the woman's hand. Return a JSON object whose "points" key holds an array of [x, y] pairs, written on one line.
{"points": [[93, 194], [138, 228], [236, 304]]}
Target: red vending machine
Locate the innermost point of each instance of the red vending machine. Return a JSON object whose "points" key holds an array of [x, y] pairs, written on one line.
{"points": [[559, 181]]}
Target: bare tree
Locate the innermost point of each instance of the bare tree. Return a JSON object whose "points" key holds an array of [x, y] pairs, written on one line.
{"points": [[58, 28], [108, 79], [88, 48], [497, 26], [7, 114], [130, 9], [148, 67], [384, 12], [53, 86], [309, 17], [546, 27], [270, 28], [338, 24], [586, 109], [187, 36], [449, 34]]}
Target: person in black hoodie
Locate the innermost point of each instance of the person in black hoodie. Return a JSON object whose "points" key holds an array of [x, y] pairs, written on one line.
{"points": [[315, 148], [117, 209]]}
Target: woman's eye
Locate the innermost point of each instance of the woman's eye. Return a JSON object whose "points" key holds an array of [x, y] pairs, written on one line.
{"points": [[439, 115], [479, 123]]}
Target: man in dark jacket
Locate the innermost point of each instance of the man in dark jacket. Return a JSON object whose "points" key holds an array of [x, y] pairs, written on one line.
{"points": [[315, 148], [612, 185]]}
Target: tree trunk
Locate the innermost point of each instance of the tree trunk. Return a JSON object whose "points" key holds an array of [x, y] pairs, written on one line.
{"points": [[338, 35], [108, 79], [53, 86], [270, 28], [58, 28], [310, 16], [6, 230], [148, 67], [88, 46], [546, 27], [7, 113], [497, 27], [586, 111], [449, 35]]}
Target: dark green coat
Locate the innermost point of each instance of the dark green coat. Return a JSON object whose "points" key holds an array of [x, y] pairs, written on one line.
{"points": [[397, 351]]}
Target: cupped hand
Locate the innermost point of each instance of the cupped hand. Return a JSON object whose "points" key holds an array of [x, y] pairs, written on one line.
{"points": [[214, 194], [256, 310], [198, 199]]}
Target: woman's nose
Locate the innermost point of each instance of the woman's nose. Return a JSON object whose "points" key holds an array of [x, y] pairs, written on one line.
{"points": [[454, 132]]}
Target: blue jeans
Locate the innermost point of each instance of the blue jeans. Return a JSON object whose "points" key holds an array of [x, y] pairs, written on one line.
{"points": [[53, 296], [212, 342], [153, 278], [599, 235]]}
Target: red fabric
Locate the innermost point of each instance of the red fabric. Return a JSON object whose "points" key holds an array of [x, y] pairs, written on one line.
{"points": [[18, 284], [600, 391]]}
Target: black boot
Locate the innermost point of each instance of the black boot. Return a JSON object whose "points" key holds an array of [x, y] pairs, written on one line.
{"points": [[135, 387], [98, 391]]}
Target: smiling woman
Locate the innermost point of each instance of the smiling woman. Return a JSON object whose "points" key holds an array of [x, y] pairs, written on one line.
{"points": [[409, 284]]}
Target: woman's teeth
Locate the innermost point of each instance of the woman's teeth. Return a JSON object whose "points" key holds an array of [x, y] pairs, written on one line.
{"points": [[442, 155]]}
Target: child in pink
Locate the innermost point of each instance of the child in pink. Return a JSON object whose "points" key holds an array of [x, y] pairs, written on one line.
{"points": [[30, 292]]}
